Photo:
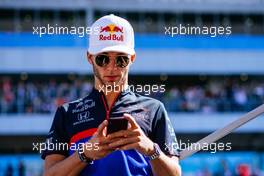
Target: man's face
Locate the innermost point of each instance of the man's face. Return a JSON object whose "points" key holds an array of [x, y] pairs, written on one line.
{"points": [[111, 74]]}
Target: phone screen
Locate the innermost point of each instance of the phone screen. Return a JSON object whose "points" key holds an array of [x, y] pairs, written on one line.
{"points": [[116, 124]]}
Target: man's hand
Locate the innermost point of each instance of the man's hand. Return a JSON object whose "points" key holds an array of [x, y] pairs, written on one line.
{"points": [[99, 139], [132, 138]]}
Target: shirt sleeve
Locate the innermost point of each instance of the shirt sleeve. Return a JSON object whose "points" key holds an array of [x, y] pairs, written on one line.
{"points": [[163, 132], [57, 140]]}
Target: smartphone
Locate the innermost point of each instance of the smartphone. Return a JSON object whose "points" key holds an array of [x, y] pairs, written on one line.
{"points": [[116, 124]]}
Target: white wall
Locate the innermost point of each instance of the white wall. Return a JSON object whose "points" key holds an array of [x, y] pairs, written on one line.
{"points": [[149, 61]]}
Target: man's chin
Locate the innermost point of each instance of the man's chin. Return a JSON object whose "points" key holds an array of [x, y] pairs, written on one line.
{"points": [[113, 84]]}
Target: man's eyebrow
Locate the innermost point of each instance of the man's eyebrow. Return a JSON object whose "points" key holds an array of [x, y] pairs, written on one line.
{"points": [[104, 53], [121, 54]]}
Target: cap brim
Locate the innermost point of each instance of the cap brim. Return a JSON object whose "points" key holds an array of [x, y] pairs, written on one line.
{"points": [[116, 48]]}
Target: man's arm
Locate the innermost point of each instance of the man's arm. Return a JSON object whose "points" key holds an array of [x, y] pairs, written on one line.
{"points": [[57, 164], [134, 138], [166, 165]]}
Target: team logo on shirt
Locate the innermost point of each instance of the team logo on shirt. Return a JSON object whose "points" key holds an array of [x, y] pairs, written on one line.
{"points": [[83, 117], [83, 106], [137, 111], [140, 115]]}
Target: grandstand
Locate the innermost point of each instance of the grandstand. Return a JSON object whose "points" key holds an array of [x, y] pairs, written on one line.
{"points": [[209, 81]]}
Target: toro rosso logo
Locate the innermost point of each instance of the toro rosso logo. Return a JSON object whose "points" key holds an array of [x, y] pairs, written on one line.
{"points": [[111, 32]]}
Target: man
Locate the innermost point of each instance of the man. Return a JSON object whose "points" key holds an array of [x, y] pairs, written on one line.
{"points": [[145, 148]]}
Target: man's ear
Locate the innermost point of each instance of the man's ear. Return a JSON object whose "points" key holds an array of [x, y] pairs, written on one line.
{"points": [[89, 57], [133, 58]]}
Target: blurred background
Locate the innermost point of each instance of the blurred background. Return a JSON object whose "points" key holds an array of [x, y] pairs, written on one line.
{"points": [[209, 81]]}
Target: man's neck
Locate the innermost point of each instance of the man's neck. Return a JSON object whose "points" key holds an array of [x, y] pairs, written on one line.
{"points": [[111, 95]]}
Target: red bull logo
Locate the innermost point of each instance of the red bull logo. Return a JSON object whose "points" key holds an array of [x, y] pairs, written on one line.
{"points": [[115, 33]]}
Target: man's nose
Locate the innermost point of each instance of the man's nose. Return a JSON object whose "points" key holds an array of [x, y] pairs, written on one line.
{"points": [[111, 65]]}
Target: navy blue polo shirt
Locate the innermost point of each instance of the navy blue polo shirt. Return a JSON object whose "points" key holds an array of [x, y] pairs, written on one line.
{"points": [[75, 123]]}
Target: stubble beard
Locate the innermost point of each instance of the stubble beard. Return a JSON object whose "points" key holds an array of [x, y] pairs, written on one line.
{"points": [[110, 84]]}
